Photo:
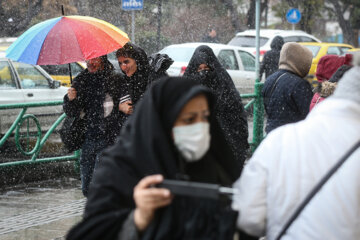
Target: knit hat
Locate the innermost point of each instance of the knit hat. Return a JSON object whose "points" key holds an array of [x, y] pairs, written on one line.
{"points": [[349, 85], [295, 58], [329, 64]]}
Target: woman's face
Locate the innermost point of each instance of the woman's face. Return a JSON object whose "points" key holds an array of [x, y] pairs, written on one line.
{"points": [[127, 65], [94, 64], [196, 110], [203, 67]]}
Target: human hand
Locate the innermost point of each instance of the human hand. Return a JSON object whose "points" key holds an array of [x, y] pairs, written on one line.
{"points": [[71, 92], [149, 199], [126, 107]]}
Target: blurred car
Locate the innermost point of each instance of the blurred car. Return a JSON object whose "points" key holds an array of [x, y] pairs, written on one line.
{"points": [[239, 63], [22, 83], [57, 72], [321, 49], [247, 39], [61, 72], [353, 50]]}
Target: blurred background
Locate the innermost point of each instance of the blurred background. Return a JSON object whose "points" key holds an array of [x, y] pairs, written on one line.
{"points": [[165, 22]]}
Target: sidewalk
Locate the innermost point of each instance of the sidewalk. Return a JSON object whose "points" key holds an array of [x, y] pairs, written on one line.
{"points": [[40, 211]]}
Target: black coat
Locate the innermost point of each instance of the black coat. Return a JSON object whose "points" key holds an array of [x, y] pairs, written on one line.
{"points": [[229, 109], [270, 63], [91, 91], [145, 147], [286, 102]]}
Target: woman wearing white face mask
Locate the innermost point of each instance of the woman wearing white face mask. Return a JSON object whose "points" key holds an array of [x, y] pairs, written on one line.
{"points": [[171, 135]]}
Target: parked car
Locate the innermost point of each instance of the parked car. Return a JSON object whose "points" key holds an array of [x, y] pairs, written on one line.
{"points": [[22, 83], [353, 50], [321, 49], [247, 39], [61, 72], [57, 72], [239, 63]]}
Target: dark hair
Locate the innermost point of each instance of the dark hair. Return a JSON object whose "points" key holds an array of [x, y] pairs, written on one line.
{"points": [[129, 50]]}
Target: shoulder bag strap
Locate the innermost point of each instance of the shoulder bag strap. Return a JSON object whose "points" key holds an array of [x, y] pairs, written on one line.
{"points": [[274, 86], [317, 189]]}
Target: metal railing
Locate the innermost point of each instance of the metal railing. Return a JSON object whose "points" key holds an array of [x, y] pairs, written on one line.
{"points": [[40, 141], [258, 120], [258, 110]]}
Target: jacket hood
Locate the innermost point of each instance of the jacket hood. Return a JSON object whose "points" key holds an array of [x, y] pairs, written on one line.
{"points": [[277, 43], [160, 62], [349, 85], [329, 64], [295, 58]]}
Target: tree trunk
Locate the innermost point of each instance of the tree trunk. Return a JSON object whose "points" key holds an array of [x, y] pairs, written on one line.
{"points": [[266, 13], [235, 21], [305, 23], [356, 38], [344, 24], [250, 16]]}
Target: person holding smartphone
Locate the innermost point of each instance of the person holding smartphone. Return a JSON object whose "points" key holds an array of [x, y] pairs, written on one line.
{"points": [[172, 134]]}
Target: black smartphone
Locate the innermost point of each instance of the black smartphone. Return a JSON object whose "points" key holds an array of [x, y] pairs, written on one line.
{"points": [[196, 189]]}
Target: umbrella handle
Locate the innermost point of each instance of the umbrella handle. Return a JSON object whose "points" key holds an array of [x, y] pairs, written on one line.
{"points": [[70, 73]]}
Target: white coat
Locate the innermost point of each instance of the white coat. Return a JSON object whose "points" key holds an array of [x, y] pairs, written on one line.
{"points": [[287, 165]]}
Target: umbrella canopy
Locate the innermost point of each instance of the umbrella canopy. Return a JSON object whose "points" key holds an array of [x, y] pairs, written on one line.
{"points": [[66, 39]]}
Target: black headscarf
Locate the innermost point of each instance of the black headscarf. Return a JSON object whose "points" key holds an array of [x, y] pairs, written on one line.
{"points": [[145, 147], [229, 110], [138, 82], [277, 43], [270, 63]]}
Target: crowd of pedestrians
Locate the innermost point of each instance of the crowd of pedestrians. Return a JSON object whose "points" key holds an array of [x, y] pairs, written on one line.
{"points": [[144, 127]]}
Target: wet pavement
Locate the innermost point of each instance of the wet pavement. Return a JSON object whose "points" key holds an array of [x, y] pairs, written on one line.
{"points": [[40, 211]]}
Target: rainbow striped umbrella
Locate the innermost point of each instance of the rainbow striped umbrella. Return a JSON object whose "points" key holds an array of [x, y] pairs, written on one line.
{"points": [[66, 39]]}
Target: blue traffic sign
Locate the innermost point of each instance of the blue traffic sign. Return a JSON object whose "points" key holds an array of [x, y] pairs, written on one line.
{"points": [[132, 4], [293, 16]]}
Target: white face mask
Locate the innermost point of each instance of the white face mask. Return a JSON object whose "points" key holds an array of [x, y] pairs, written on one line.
{"points": [[193, 141]]}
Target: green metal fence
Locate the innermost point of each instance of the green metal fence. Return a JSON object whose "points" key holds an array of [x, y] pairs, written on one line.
{"points": [[258, 117], [33, 153]]}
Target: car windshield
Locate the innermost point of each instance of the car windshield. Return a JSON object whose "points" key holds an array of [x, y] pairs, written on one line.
{"points": [[313, 49], [247, 41], [179, 54]]}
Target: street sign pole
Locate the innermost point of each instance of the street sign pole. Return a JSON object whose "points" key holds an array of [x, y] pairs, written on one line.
{"points": [[133, 26], [132, 5], [293, 16]]}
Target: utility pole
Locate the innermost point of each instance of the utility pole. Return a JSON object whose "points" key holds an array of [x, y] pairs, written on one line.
{"points": [[159, 15]]}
